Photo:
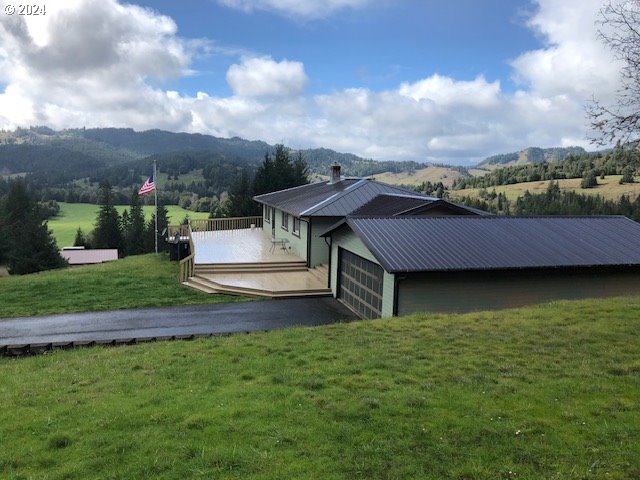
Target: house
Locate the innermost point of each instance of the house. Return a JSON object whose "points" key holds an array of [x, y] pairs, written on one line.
{"points": [[299, 215], [394, 265], [79, 256]]}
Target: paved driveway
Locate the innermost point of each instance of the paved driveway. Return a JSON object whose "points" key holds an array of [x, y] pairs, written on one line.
{"points": [[25, 334]]}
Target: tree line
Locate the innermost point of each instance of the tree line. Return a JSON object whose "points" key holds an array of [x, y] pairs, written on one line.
{"points": [[129, 232], [554, 201], [622, 160]]}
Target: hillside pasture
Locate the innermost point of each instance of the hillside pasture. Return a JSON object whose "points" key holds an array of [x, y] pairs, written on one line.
{"points": [[608, 188], [83, 215], [431, 174], [547, 392], [133, 282]]}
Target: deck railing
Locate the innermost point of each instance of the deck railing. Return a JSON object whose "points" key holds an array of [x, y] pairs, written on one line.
{"points": [[173, 229], [234, 223], [187, 263]]}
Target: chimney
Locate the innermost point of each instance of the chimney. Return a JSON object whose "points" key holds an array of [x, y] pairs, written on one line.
{"points": [[335, 174]]}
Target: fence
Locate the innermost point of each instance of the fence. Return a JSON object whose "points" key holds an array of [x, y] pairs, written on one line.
{"points": [[187, 264], [215, 224]]}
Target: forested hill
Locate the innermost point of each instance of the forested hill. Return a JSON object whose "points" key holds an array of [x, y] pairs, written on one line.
{"points": [[31, 150], [532, 155]]}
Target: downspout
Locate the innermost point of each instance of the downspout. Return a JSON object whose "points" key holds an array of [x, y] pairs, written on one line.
{"points": [[309, 228], [396, 283], [330, 244]]}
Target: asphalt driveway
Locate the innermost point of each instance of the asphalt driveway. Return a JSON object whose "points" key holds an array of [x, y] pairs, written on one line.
{"points": [[34, 334]]}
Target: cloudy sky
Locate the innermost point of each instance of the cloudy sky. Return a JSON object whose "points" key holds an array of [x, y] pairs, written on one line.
{"points": [[427, 80]]}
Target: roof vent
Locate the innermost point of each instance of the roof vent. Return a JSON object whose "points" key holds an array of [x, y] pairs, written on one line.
{"points": [[335, 174]]}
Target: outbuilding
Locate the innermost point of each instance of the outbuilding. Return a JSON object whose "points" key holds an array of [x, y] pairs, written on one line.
{"points": [[395, 265]]}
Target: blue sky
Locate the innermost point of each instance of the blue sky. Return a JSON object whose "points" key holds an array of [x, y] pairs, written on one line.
{"points": [[447, 82], [377, 48]]}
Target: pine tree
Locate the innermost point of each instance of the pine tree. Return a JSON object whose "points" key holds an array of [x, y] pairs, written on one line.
{"points": [[30, 246], [150, 229], [134, 228], [107, 233], [240, 201], [81, 239]]}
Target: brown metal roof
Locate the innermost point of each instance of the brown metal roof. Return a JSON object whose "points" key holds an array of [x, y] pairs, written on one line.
{"points": [[413, 244]]}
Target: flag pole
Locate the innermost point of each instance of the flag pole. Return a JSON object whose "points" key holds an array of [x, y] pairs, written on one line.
{"points": [[155, 191]]}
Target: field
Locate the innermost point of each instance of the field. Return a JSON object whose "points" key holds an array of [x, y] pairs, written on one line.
{"points": [[83, 215], [608, 188], [549, 392], [133, 282], [429, 174]]}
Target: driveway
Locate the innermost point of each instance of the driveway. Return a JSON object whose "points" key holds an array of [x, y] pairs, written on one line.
{"points": [[34, 334]]}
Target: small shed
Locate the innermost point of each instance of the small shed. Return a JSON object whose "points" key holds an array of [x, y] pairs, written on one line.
{"points": [[383, 266], [81, 256]]}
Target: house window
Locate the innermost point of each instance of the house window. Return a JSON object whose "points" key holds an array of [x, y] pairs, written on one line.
{"points": [[296, 226], [285, 221], [267, 210]]}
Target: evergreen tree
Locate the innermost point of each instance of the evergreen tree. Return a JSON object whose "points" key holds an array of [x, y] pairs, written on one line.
{"points": [[627, 175], [81, 239], [149, 232], [107, 233], [30, 247], [240, 201], [134, 228], [589, 180]]}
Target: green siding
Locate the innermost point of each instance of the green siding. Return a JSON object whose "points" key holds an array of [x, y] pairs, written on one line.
{"points": [[469, 291], [298, 244], [349, 241], [319, 247]]}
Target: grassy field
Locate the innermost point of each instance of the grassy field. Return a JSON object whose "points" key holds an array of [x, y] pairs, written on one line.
{"points": [[549, 392], [429, 174], [608, 188], [133, 282], [83, 215]]}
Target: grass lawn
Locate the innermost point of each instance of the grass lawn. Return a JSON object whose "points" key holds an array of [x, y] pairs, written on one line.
{"points": [[608, 188], [134, 282], [549, 392], [83, 215]]}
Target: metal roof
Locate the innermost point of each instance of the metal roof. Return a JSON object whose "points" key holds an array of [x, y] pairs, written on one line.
{"points": [[418, 244], [330, 200], [85, 257], [391, 204]]}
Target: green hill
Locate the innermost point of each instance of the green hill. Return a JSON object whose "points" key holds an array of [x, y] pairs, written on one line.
{"points": [[531, 155]]}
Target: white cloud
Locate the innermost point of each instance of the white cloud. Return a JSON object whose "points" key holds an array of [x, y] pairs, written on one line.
{"points": [[307, 9], [96, 63], [258, 77]]}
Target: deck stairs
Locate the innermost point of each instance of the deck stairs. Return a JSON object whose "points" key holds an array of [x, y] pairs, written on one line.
{"points": [[272, 279]]}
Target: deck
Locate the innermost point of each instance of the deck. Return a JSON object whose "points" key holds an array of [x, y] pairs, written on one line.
{"points": [[239, 246], [246, 262]]}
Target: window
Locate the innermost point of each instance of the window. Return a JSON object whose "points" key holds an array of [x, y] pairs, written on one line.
{"points": [[267, 210], [285, 221], [296, 226]]}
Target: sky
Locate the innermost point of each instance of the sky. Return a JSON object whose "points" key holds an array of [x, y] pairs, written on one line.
{"points": [[445, 82]]}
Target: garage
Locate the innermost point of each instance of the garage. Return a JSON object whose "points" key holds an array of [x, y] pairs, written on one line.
{"points": [[360, 284]]}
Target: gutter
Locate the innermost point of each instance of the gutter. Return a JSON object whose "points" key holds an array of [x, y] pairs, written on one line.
{"points": [[396, 283]]}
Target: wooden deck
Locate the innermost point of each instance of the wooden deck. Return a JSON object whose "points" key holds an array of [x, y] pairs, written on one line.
{"points": [[239, 246], [245, 262]]}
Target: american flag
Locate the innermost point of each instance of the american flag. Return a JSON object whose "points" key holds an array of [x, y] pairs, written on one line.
{"points": [[149, 186]]}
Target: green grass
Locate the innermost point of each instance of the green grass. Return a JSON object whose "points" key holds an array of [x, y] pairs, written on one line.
{"points": [[548, 392], [608, 188], [83, 215], [133, 282]]}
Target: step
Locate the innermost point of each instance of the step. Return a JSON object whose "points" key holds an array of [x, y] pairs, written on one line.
{"points": [[211, 286], [250, 267]]}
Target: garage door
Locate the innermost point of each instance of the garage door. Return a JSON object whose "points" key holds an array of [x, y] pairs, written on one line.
{"points": [[360, 284]]}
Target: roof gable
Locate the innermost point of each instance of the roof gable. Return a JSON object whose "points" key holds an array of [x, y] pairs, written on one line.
{"points": [[331, 200], [412, 244]]}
